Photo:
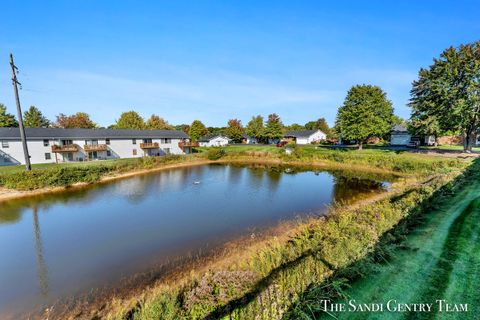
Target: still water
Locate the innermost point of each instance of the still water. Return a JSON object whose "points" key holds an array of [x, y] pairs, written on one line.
{"points": [[69, 243]]}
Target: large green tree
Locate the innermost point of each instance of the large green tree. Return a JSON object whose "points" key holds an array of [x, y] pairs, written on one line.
{"points": [[449, 90], [77, 120], [155, 122], [130, 120], [197, 130], [234, 130], [7, 119], [366, 112], [273, 128], [33, 118], [255, 128], [294, 127]]}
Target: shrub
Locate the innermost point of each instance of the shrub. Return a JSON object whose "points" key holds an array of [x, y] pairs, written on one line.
{"points": [[215, 153]]}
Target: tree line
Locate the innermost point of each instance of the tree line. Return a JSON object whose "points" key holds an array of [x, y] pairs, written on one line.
{"points": [[257, 128]]}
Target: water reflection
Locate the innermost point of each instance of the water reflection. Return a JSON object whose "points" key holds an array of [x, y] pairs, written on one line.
{"points": [[41, 266], [97, 235]]}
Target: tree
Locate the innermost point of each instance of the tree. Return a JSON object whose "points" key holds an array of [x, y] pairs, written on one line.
{"points": [[321, 124], [273, 127], [234, 130], [294, 127], [423, 125], [216, 130], [77, 120], [255, 128], [33, 118], [197, 130], [365, 113], [449, 90], [155, 122], [130, 120], [6, 119], [183, 127]]}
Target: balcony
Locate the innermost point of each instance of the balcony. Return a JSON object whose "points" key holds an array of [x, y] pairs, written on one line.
{"points": [[149, 145], [65, 148], [95, 147], [188, 144]]}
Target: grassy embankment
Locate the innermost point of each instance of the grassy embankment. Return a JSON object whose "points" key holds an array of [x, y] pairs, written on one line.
{"points": [[428, 257], [264, 281], [60, 175]]}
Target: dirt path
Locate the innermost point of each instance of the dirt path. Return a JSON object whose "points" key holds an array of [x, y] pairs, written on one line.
{"points": [[441, 262]]}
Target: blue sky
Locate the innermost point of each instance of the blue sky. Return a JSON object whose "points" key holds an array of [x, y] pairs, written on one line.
{"points": [[217, 60]]}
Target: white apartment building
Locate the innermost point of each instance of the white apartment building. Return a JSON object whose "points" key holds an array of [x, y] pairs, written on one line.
{"points": [[54, 145]]}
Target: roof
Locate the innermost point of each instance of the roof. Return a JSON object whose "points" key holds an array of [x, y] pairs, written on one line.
{"points": [[56, 133], [209, 137], [300, 133], [398, 128]]}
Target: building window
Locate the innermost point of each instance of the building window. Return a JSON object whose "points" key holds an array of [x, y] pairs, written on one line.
{"points": [[4, 144], [107, 141], [46, 143], [134, 141], [134, 152], [109, 153], [166, 150], [48, 156], [166, 140]]}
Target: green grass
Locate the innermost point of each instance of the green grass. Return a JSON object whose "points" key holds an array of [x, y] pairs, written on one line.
{"points": [[438, 259], [448, 147], [281, 271]]}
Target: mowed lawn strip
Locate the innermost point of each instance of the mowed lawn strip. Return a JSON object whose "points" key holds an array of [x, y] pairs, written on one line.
{"points": [[442, 261]]}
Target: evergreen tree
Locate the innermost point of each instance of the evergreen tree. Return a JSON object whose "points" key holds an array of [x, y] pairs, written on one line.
{"points": [[7, 119], [273, 127], [33, 118]]}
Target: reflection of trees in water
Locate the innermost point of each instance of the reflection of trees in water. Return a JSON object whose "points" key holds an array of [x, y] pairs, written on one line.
{"points": [[41, 266], [348, 188]]}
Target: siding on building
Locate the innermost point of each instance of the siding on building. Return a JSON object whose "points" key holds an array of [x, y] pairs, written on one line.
{"points": [[40, 147]]}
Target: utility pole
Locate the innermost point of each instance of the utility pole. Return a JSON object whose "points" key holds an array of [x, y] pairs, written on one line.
{"points": [[19, 111]]}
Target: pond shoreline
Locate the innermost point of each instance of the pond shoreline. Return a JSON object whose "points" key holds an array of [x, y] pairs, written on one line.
{"points": [[7, 194], [126, 295]]}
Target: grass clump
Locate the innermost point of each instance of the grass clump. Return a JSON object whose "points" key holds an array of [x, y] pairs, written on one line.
{"points": [[215, 153]]}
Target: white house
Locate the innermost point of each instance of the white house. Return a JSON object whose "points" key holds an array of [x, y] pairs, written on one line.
{"points": [[213, 141], [50, 145], [306, 136]]}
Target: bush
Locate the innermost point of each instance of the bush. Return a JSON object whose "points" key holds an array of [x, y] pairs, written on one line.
{"points": [[215, 153]]}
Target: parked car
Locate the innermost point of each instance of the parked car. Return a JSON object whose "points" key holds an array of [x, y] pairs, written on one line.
{"points": [[282, 144]]}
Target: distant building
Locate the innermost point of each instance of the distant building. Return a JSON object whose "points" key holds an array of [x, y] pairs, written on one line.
{"points": [[50, 145], [214, 140], [306, 136], [249, 140], [399, 136]]}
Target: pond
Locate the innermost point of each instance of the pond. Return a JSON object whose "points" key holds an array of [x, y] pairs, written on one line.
{"points": [[66, 244]]}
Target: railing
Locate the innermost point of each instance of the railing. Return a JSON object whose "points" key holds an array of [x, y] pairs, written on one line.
{"points": [[188, 144], [95, 147], [149, 145], [65, 148]]}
